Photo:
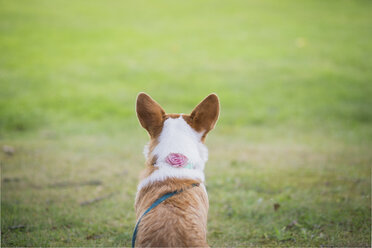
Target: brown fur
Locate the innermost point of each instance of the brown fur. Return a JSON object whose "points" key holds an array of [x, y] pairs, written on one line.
{"points": [[150, 114], [180, 221]]}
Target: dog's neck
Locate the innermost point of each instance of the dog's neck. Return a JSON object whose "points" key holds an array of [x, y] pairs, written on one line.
{"points": [[176, 137]]}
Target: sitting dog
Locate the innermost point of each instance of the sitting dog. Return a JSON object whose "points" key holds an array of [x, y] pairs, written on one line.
{"points": [[172, 202]]}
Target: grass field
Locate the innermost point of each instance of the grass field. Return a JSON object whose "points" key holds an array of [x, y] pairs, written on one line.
{"points": [[290, 158]]}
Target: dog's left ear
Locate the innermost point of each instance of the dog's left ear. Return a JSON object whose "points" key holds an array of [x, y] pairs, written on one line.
{"points": [[150, 114], [205, 115]]}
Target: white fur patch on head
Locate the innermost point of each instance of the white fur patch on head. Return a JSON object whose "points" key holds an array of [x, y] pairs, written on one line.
{"points": [[177, 137], [146, 151]]}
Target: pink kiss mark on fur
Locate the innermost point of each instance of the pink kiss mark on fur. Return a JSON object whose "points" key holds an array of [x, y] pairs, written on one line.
{"points": [[176, 160]]}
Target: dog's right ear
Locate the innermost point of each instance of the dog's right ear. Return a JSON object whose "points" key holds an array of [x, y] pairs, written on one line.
{"points": [[150, 114]]}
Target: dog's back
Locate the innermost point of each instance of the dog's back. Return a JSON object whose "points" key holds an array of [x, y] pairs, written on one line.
{"points": [[180, 221]]}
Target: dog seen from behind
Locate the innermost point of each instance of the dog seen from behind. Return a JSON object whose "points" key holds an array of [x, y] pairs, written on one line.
{"points": [[172, 203]]}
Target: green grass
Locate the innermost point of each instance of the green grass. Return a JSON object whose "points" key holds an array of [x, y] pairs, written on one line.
{"points": [[295, 86]]}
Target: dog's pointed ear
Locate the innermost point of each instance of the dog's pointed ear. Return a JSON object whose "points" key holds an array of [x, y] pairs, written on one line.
{"points": [[150, 114], [205, 115]]}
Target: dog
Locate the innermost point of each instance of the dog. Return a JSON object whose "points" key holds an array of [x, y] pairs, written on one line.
{"points": [[171, 203]]}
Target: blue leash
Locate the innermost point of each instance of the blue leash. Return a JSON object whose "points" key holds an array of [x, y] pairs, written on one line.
{"points": [[157, 202]]}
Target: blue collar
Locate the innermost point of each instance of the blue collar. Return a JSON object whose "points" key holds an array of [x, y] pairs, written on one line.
{"points": [[157, 202]]}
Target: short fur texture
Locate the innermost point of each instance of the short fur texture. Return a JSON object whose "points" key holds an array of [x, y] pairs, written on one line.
{"points": [[180, 221]]}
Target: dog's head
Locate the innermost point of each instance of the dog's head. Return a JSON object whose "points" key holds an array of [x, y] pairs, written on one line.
{"points": [[177, 133]]}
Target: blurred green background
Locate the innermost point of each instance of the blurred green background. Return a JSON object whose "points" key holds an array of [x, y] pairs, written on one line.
{"points": [[290, 158]]}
